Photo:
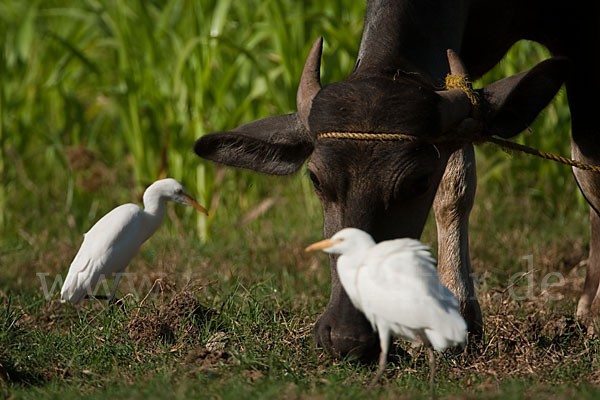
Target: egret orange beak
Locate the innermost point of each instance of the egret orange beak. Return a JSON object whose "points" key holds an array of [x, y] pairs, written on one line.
{"points": [[192, 202], [323, 244]]}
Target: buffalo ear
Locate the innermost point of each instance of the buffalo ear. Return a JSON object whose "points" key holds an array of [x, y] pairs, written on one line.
{"points": [[275, 145], [514, 102]]}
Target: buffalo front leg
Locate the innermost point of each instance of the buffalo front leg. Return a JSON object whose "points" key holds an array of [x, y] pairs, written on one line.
{"points": [[589, 183], [592, 276], [452, 206], [585, 147]]}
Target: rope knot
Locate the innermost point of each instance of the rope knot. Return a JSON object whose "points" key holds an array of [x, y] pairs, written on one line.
{"points": [[463, 83]]}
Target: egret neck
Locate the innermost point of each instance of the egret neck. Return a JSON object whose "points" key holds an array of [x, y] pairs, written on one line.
{"points": [[154, 211], [349, 263]]}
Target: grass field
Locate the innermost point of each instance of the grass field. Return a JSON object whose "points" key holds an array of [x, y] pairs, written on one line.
{"points": [[99, 97]]}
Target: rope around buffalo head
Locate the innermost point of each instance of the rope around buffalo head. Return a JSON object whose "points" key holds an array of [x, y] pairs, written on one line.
{"points": [[462, 82]]}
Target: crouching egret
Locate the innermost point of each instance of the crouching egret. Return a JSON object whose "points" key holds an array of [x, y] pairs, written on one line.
{"points": [[115, 239], [395, 285]]}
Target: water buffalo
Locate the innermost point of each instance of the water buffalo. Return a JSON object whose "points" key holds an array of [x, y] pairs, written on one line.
{"points": [[388, 187]]}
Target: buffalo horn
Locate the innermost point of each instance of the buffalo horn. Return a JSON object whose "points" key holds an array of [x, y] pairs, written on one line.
{"points": [[310, 82], [455, 105]]}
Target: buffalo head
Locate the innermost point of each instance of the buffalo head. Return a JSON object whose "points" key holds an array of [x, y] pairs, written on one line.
{"points": [[383, 187]]}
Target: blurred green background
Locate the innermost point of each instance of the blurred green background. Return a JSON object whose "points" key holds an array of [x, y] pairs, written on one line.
{"points": [[98, 96], [136, 83]]}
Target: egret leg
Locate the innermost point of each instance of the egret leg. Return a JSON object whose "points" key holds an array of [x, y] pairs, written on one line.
{"points": [[380, 369], [114, 291], [384, 343], [431, 371], [97, 297]]}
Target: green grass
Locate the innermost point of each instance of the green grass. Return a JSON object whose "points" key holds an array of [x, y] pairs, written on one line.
{"points": [[263, 294], [98, 98]]}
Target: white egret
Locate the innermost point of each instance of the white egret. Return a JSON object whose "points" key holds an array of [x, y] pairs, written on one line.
{"points": [[395, 285], [115, 239]]}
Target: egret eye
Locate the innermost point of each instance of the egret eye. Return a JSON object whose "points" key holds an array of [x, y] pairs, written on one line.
{"points": [[315, 180]]}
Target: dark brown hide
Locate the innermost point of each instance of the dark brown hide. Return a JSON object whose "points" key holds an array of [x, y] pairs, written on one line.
{"points": [[377, 104]]}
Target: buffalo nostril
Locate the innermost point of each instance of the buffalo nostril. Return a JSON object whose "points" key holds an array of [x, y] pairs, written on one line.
{"points": [[363, 345], [354, 338], [323, 336]]}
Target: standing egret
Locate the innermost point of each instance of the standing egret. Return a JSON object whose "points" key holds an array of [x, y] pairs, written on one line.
{"points": [[115, 239], [396, 286]]}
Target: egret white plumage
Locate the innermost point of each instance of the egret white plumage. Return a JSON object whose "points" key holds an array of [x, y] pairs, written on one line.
{"points": [[115, 239], [395, 285]]}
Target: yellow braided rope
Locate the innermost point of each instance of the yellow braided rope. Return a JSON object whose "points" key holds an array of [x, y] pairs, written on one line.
{"points": [[366, 136], [505, 144]]}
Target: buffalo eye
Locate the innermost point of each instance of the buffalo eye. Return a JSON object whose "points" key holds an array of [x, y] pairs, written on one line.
{"points": [[413, 186], [315, 180], [421, 185]]}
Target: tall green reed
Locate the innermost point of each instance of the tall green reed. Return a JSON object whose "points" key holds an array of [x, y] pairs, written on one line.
{"points": [[139, 81]]}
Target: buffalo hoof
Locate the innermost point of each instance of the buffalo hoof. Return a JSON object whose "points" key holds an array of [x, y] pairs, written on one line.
{"points": [[356, 340]]}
